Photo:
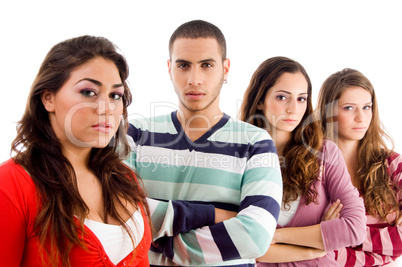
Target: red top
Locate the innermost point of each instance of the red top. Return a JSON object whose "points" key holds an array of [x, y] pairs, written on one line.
{"points": [[18, 244]]}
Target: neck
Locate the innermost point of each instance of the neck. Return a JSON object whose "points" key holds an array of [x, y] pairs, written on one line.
{"points": [[349, 152], [78, 157], [197, 123], [280, 139]]}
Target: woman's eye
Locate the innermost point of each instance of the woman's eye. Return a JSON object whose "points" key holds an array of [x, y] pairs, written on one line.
{"points": [[281, 97], [302, 99], [348, 108], [88, 92], [366, 107], [116, 96]]}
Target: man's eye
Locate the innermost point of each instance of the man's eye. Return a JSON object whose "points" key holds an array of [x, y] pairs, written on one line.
{"points": [[183, 66]]}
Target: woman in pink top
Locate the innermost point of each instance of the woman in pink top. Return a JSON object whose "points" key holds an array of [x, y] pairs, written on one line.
{"points": [[66, 191], [314, 173], [350, 117]]}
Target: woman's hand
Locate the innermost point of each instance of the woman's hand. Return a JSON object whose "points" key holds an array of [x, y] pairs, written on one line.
{"points": [[334, 211]]}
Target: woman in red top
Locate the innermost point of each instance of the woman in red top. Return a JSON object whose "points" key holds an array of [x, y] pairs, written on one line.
{"points": [[66, 198]]}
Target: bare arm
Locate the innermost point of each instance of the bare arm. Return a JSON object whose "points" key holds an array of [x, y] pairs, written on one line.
{"points": [[290, 253], [223, 215], [309, 236]]}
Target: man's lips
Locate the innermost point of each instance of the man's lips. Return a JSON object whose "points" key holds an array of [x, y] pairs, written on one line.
{"points": [[195, 95]]}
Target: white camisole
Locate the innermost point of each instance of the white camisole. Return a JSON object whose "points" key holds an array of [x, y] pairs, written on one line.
{"points": [[114, 239]]}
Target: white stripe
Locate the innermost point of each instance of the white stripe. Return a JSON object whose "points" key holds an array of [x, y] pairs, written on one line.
{"points": [[394, 164], [260, 215], [263, 188], [188, 158], [264, 160], [209, 249], [246, 247], [155, 126]]}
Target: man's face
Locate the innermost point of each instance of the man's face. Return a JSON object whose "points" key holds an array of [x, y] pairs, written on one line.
{"points": [[197, 72]]}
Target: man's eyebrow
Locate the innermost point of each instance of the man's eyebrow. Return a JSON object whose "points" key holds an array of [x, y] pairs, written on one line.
{"points": [[98, 83], [201, 61], [207, 60], [182, 61]]}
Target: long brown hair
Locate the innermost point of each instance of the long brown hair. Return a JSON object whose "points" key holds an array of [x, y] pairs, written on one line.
{"points": [[300, 154], [39, 151], [372, 176]]}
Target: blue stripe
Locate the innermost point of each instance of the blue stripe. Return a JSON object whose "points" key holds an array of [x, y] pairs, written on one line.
{"points": [[219, 205], [266, 202], [179, 142], [163, 245], [191, 216], [224, 242]]}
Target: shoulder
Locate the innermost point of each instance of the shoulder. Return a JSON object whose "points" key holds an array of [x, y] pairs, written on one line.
{"points": [[146, 122], [394, 162], [11, 172], [159, 124], [15, 183], [331, 154], [246, 132]]}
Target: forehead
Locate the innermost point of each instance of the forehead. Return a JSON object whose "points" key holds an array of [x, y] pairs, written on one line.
{"points": [[195, 49], [292, 82], [355, 94]]}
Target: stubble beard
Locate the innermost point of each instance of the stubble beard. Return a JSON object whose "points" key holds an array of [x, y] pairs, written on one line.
{"points": [[218, 88]]}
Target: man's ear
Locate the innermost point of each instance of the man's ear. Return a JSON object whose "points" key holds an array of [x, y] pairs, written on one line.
{"points": [[48, 101], [169, 65]]}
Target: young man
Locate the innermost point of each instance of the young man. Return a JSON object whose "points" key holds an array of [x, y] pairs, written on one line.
{"points": [[201, 155]]}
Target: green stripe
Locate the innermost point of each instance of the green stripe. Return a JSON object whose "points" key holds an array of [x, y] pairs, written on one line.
{"points": [[255, 233], [187, 174], [191, 192], [157, 217], [257, 174], [193, 248]]}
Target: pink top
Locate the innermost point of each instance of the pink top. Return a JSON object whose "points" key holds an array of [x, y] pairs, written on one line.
{"points": [[333, 183], [383, 243]]}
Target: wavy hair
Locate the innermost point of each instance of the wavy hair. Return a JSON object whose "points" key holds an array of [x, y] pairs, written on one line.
{"points": [[36, 145], [373, 180], [301, 167]]}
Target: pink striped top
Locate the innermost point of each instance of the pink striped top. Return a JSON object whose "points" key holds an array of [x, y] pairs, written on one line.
{"points": [[383, 243]]}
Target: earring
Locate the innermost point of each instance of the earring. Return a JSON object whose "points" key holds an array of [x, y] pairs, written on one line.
{"points": [[225, 81]]}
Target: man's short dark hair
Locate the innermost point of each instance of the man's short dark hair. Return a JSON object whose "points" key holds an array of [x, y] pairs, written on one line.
{"points": [[199, 29]]}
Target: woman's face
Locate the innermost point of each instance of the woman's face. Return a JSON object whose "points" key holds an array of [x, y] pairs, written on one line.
{"points": [[286, 102], [87, 109], [354, 114]]}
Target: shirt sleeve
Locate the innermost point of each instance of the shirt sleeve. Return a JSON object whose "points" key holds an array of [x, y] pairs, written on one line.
{"points": [[382, 245], [352, 223], [172, 217], [246, 236], [358, 258]]}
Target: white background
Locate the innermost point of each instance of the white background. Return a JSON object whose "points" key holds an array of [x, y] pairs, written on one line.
{"points": [[324, 36]]}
